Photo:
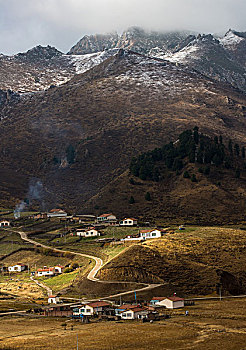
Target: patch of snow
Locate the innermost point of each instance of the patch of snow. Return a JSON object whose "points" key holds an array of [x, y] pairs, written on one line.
{"points": [[184, 54], [230, 40], [83, 63]]}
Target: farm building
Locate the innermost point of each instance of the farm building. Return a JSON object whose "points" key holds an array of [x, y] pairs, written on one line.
{"points": [[134, 313], [129, 222], [146, 234], [4, 223], [91, 232], [57, 213], [53, 299], [109, 219], [171, 302], [91, 308], [46, 271], [17, 268]]}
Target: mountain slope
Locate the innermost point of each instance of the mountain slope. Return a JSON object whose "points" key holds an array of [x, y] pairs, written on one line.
{"points": [[42, 67], [192, 263], [222, 60], [78, 137]]}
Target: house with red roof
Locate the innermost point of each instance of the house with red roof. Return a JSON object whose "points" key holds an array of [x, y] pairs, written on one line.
{"points": [[129, 222], [109, 219], [155, 300], [17, 268], [173, 302], [91, 309], [146, 234], [90, 232], [46, 271], [135, 313], [56, 213]]}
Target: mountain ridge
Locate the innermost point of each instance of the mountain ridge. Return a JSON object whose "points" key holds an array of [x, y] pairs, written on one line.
{"points": [[82, 134]]}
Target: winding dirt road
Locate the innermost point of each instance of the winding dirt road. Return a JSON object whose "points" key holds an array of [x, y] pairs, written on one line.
{"points": [[92, 274]]}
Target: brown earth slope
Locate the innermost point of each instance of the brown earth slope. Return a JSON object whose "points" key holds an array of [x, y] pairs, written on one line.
{"points": [[195, 262], [126, 105]]}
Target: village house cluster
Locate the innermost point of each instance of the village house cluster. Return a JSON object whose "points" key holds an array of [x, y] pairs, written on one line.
{"points": [[104, 309]]}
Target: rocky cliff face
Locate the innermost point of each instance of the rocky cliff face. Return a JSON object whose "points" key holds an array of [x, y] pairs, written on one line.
{"points": [[134, 38]]}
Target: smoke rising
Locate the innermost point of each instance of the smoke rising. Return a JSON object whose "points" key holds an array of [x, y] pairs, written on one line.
{"points": [[35, 193]]}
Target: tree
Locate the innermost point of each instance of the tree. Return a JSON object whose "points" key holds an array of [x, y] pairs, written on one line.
{"points": [[193, 178], [216, 140], [207, 170], [237, 149], [243, 152], [131, 200], [70, 154], [196, 134], [221, 140], [147, 196], [237, 173], [186, 175], [230, 146], [156, 174]]}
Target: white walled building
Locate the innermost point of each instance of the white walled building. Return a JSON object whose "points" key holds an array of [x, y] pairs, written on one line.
{"points": [[17, 268], [4, 223], [171, 302], [92, 232], [109, 219], [136, 313], [49, 271], [146, 234], [129, 222], [53, 299]]}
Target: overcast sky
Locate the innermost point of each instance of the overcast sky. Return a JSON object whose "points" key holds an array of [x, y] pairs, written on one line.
{"points": [[61, 23]]}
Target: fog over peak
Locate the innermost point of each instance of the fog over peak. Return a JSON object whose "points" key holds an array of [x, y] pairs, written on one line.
{"points": [[61, 23]]}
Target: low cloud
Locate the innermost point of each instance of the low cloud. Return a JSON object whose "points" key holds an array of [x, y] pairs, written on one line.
{"points": [[61, 23]]}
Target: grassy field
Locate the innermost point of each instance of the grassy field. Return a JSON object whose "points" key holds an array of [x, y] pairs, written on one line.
{"points": [[194, 261], [61, 281], [211, 325], [20, 285]]}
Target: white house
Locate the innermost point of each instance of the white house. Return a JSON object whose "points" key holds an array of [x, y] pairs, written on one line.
{"points": [[129, 222], [171, 302], [91, 308], [4, 223], [107, 219], [146, 234], [59, 269], [136, 313], [53, 299], [92, 232], [46, 271], [17, 268], [57, 213]]}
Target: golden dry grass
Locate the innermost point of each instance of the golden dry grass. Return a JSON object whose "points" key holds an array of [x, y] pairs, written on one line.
{"points": [[211, 325]]}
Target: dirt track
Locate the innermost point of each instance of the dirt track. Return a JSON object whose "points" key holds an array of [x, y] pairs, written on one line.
{"points": [[92, 274]]}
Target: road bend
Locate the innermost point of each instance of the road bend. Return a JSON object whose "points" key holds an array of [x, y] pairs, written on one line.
{"points": [[92, 274]]}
